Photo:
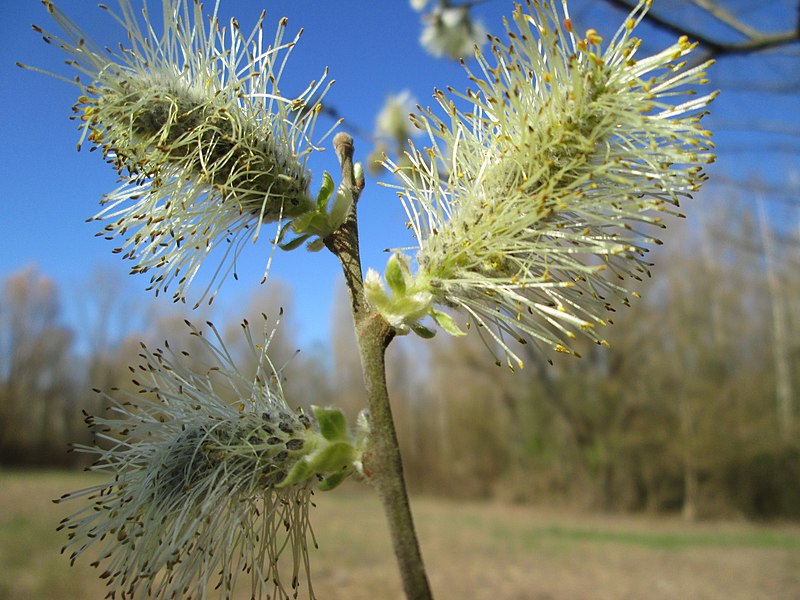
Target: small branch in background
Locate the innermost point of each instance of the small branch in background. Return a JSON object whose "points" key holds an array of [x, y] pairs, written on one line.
{"points": [[335, 115], [724, 16], [755, 42]]}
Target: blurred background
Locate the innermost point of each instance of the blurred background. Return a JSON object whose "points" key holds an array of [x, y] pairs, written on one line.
{"points": [[691, 415]]}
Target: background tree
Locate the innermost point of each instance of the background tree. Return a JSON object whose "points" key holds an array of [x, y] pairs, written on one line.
{"points": [[39, 394]]}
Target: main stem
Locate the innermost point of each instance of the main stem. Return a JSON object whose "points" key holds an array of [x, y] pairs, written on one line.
{"points": [[382, 461]]}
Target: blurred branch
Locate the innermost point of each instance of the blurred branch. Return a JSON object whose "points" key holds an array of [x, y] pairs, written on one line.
{"points": [[726, 17], [756, 41], [349, 125]]}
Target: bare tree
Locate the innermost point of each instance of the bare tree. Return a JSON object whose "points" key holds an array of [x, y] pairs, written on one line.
{"points": [[780, 328], [36, 370]]}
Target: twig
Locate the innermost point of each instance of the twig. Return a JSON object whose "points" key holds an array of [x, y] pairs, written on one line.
{"points": [[724, 16], [382, 460], [715, 47]]}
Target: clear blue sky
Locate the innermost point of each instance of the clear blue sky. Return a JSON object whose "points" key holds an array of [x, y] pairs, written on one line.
{"points": [[371, 49]]}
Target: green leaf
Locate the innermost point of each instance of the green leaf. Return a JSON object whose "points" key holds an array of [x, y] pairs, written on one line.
{"points": [[422, 331], [332, 424], [325, 191], [315, 245], [301, 471], [332, 481], [395, 278], [376, 293], [413, 306], [296, 242], [301, 223], [284, 230], [447, 323], [340, 209], [332, 457]]}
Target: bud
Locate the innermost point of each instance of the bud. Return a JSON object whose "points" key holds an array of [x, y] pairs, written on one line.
{"points": [[452, 32], [405, 303], [392, 123]]}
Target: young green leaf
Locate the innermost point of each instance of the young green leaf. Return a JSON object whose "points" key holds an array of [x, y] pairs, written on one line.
{"points": [[422, 331], [332, 481], [395, 277], [447, 323], [325, 191], [331, 457], [295, 243], [341, 206], [332, 424]]}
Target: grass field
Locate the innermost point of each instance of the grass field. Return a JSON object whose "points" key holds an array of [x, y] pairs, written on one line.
{"points": [[474, 551]]}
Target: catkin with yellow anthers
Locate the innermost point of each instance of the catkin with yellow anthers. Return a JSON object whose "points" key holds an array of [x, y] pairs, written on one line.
{"points": [[146, 128]]}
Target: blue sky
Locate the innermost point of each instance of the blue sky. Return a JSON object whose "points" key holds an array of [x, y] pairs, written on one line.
{"points": [[372, 50]]}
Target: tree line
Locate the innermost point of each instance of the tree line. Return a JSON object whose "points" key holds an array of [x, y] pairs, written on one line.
{"points": [[691, 409]]}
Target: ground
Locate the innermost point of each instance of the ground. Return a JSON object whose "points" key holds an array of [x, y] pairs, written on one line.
{"points": [[476, 551]]}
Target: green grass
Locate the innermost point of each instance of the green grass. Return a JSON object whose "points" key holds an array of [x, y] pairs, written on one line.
{"points": [[662, 541], [683, 536], [481, 551]]}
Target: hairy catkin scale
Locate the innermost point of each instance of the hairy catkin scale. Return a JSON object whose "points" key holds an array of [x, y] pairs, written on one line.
{"points": [[166, 512], [145, 127], [269, 446]]}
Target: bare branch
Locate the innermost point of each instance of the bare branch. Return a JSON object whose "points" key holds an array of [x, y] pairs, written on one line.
{"points": [[726, 17], [754, 43]]}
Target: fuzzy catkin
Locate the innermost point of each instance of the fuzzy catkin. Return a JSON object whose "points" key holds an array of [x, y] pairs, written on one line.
{"points": [[534, 204]]}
